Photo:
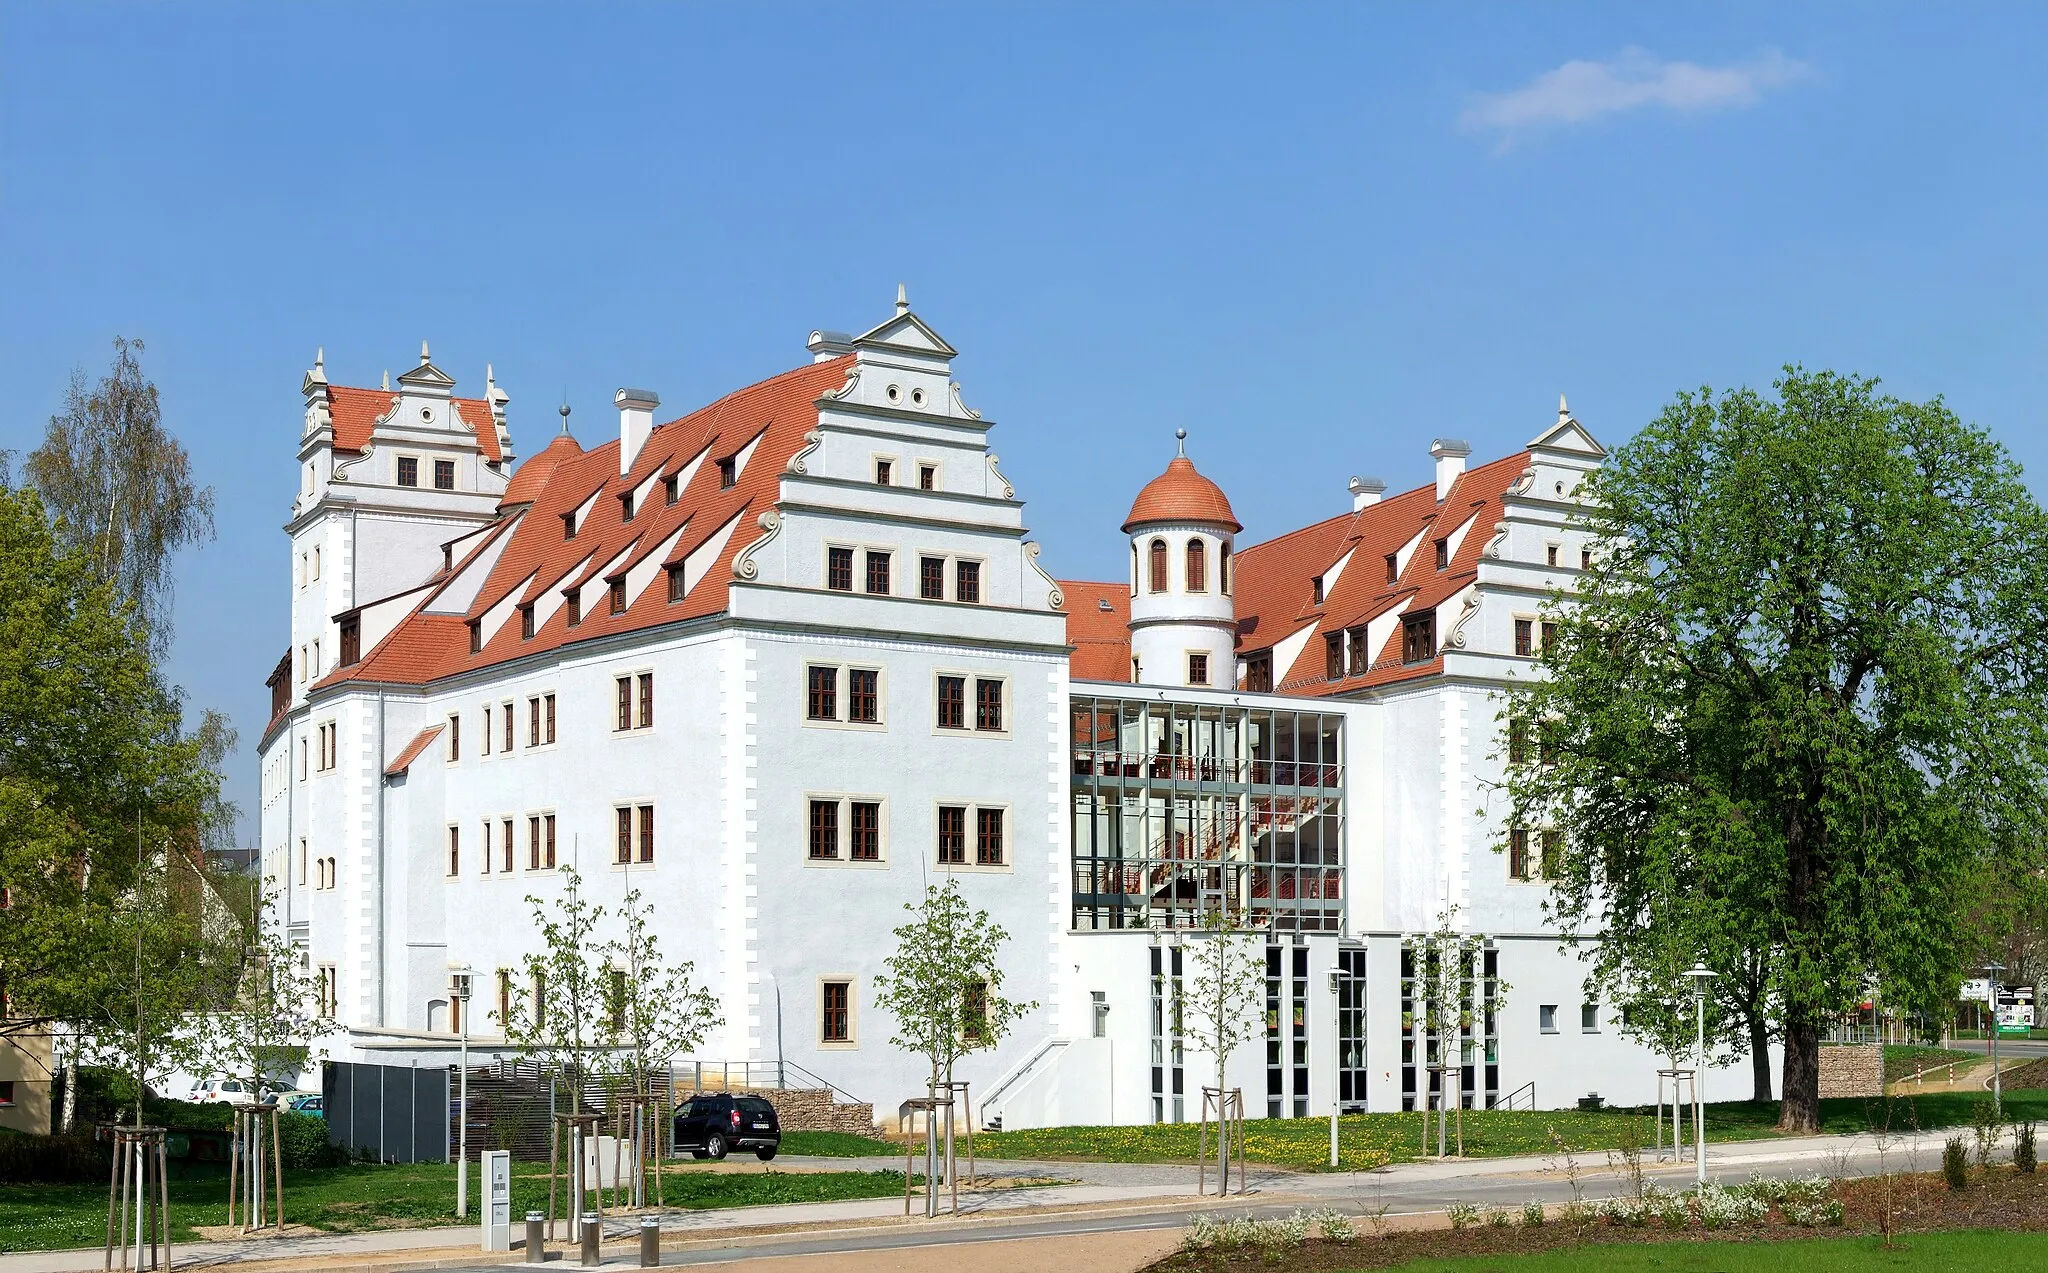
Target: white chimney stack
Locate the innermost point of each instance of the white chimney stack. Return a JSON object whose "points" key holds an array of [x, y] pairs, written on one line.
{"points": [[636, 422], [1365, 492], [1450, 456]]}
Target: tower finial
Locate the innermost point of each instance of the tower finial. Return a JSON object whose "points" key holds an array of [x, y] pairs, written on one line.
{"points": [[565, 415], [387, 380], [425, 358], [1181, 436], [320, 358], [902, 300], [1563, 412]]}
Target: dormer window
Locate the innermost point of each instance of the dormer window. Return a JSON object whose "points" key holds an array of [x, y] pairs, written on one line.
{"points": [[444, 475], [618, 596], [1315, 593], [476, 636], [1258, 671], [676, 590], [1443, 555], [728, 473], [569, 525], [351, 641], [408, 470], [574, 600], [1393, 567], [625, 506], [1418, 637], [671, 489], [526, 623]]}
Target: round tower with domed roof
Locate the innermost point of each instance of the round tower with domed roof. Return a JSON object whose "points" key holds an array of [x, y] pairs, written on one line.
{"points": [[1183, 618]]}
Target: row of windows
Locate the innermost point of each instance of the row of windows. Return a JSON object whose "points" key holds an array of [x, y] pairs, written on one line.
{"points": [[877, 578], [497, 852], [861, 701], [927, 473], [1195, 567], [852, 829], [1348, 653], [409, 472]]}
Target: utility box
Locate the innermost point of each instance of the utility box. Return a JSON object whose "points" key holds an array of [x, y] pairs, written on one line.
{"points": [[497, 1208]]}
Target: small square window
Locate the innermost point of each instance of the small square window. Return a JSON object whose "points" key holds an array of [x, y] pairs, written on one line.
{"points": [[1546, 1018], [408, 471], [1198, 669], [1585, 559], [728, 473], [1589, 1018], [1550, 555], [884, 470], [927, 477], [444, 475]]}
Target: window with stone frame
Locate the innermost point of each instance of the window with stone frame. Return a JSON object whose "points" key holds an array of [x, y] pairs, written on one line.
{"points": [[1418, 637]]}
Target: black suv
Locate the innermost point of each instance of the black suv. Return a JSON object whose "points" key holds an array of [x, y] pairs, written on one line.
{"points": [[710, 1126]]}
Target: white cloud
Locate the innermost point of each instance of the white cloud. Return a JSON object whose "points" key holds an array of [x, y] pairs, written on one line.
{"points": [[1579, 91]]}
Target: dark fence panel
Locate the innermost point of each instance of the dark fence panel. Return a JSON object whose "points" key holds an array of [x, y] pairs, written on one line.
{"points": [[388, 1113]]}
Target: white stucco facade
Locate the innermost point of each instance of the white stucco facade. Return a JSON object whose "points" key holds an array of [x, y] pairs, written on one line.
{"points": [[375, 834]]}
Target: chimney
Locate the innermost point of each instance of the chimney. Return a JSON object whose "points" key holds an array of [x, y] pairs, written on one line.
{"points": [[825, 346], [1365, 492], [1450, 456], [636, 421]]}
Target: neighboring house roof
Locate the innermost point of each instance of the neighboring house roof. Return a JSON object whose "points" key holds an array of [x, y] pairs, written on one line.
{"points": [[355, 412], [412, 750], [773, 415], [1180, 494], [1099, 629]]}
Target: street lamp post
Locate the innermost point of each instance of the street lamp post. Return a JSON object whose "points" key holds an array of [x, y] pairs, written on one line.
{"points": [[1701, 975], [458, 990], [1336, 997], [1991, 972]]}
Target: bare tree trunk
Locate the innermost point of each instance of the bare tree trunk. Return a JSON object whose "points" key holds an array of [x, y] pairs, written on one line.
{"points": [[1760, 1057], [1799, 1113], [70, 1087]]}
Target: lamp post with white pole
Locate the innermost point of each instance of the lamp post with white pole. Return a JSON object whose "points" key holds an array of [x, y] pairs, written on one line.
{"points": [[1701, 976], [1991, 972], [458, 992]]}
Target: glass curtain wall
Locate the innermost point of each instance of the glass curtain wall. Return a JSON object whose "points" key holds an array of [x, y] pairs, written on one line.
{"points": [[1185, 808]]}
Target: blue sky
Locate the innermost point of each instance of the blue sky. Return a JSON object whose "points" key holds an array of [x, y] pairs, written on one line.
{"points": [[1314, 236]]}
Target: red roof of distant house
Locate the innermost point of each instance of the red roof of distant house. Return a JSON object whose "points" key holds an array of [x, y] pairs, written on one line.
{"points": [[1180, 494], [773, 415], [1099, 629], [355, 412]]}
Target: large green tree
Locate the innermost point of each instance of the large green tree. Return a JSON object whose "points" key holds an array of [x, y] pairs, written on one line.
{"points": [[1798, 700]]}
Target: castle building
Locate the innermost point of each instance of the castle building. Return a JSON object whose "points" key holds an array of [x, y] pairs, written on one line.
{"points": [[781, 661]]}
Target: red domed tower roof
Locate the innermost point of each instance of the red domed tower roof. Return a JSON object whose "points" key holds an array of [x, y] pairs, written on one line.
{"points": [[1180, 494], [531, 476]]}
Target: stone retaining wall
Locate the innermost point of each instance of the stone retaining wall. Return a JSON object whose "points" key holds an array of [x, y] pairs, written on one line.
{"points": [[1852, 1070]]}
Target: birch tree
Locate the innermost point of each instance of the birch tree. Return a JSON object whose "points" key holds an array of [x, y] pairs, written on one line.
{"points": [[1224, 995], [944, 982], [566, 1024]]}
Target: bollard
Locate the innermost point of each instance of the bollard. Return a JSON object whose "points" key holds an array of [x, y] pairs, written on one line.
{"points": [[591, 1258], [536, 1244], [650, 1242]]}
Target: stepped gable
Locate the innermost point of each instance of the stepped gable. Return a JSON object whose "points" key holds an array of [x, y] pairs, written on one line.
{"points": [[533, 558], [1101, 637], [1274, 579], [355, 412]]}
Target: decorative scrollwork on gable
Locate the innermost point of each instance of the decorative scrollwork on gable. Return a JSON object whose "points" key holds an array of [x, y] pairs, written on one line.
{"points": [[1009, 491], [1523, 483], [1494, 545], [743, 566], [1455, 638], [844, 391], [1055, 597], [812, 440], [961, 407]]}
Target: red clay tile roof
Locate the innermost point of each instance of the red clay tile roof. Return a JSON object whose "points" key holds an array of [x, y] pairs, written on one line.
{"points": [[778, 411], [413, 750], [1101, 637], [357, 411], [533, 474], [1275, 596], [1181, 495]]}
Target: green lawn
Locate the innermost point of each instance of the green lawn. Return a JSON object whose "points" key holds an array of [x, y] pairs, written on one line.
{"points": [[345, 1199], [1920, 1253], [839, 1145], [1367, 1139], [1903, 1060]]}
